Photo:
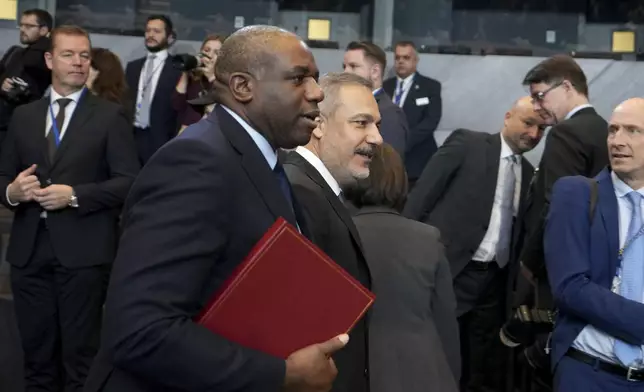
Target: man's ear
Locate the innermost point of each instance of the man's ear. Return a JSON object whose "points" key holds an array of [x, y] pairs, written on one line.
{"points": [[49, 60], [241, 87], [318, 132]]}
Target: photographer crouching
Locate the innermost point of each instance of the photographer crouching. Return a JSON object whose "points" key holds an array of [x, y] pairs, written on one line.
{"points": [[23, 72], [196, 80]]}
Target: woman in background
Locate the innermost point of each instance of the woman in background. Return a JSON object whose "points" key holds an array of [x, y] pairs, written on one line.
{"points": [[197, 82], [107, 79], [413, 332]]}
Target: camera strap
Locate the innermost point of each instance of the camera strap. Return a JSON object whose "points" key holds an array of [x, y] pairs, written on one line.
{"points": [[54, 126]]}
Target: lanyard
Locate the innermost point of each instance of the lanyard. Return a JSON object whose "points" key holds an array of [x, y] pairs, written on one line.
{"points": [[629, 241], [54, 126]]}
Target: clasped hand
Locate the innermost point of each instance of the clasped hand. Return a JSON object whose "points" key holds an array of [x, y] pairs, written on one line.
{"points": [[26, 188]]}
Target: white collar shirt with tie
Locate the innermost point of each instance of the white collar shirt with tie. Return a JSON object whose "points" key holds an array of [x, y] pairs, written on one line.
{"points": [[503, 206], [404, 84], [148, 82]]}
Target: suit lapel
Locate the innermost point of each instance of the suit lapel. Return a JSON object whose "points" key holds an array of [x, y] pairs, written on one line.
{"points": [[339, 208], [607, 206], [492, 159], [82, 113], [163, 79], [412, 95], [40, 128], [255, 165]]}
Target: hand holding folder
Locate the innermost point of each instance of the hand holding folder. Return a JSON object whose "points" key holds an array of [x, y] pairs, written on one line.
{"points": [[290, 300], [311, 368]]}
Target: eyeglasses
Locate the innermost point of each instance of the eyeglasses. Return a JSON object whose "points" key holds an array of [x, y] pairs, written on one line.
{"points": [[541, 95]]}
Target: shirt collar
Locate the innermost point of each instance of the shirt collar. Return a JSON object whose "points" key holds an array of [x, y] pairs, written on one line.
{"points": [[319, 166], [621, 188], [161, 55], [578, 108], [406, 81], [264, 146], [506, 151], [53, 96]]}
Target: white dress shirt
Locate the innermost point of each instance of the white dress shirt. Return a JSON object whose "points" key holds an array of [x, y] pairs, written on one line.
{"points": [[487, 249], [264, 146], [148, 83], [406, 86], [576, 109], [591, 340], [69, 111], [319, 166]]}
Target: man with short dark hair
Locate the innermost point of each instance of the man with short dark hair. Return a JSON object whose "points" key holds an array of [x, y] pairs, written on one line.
{"points": [[420, 98], [153, 79], [575, 145], [197, 209], [66, 167], [370, 61], [24, 76]]}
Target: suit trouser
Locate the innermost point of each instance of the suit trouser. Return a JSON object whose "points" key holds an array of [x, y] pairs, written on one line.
{"points": [[480, 292], [59, 312], [572, 375]]}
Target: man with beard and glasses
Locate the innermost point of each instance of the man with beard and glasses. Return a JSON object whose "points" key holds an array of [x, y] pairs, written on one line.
{"points": [[337, 156], [196, 210], [153, 79], [575, 145], [472, 190], [24, 76]]}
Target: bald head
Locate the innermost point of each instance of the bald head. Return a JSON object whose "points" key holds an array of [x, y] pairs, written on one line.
{"points": [[523, 104], [252, 49], [632, 104], [523, 127], [626, 142]]}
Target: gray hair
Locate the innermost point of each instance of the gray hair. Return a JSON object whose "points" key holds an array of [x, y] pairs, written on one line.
{"points": [[332, 83]]}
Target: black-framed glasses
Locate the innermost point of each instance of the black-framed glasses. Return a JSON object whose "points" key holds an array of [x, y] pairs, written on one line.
{"points": [[541, 95]]}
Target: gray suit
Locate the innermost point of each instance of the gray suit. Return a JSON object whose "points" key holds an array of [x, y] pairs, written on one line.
{"points": [[413, 332]]}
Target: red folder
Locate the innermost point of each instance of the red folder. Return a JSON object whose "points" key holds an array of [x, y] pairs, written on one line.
{"points": [[286, 295]]}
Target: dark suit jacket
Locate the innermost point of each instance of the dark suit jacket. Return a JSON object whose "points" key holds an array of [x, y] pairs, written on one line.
{"points": [[393, 123], [456, 192], [576, 146], [334, 232], [96, 157], [196, 210], [164, 120], [582, 259], [413, 321], [422, 119]]}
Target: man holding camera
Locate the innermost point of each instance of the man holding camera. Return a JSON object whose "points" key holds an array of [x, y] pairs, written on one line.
{"points": [[23, 73]]}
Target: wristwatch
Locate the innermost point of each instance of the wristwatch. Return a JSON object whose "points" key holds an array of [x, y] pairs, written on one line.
{"points": [[73, 200]]}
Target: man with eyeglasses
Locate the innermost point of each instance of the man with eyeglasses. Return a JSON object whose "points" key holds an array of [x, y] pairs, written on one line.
{"points": [[24, 76], [575, 145]]}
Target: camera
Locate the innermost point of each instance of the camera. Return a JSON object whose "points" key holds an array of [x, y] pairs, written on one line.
{"points": [[188, 62], [525, 324], [19, 91]]}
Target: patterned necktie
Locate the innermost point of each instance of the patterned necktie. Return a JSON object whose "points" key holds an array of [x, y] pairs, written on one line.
{"points": [[632, 278], [507, 212], [52, 142], [399, 92], [143, 114]]}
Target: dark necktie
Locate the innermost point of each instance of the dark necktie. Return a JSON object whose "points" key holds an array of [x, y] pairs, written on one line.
{"points": [[52, 143], [285, 186]]}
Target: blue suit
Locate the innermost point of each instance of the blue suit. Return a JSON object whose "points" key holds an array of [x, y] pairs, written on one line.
{"points": [[582, 259]]}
